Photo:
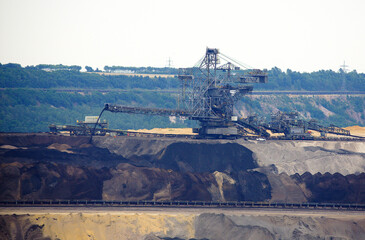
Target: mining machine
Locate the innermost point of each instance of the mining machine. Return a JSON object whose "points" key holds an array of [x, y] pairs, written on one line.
{"points": [[294, 127], [91, 126], [209, 91]]}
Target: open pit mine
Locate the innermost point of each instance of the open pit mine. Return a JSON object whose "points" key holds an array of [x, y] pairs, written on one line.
{"points": [[231, 178], [46, 167]]}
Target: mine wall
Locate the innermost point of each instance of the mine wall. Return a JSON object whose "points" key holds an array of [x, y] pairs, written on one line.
{"points": [[178, 226], [42, 166]]}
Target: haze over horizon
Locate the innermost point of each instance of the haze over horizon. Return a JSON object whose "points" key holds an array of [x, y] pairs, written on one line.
{"points": [[303, 36]]}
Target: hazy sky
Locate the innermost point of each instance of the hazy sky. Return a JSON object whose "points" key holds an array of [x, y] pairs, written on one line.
{"points": [[303, 35]]}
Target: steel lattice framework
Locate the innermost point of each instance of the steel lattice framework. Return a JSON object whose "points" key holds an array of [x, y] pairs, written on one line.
{"points": [[212, 87], [209, 91]]}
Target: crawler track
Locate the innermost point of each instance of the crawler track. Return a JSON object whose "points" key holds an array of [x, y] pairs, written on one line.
{"points": [[183, 204]]}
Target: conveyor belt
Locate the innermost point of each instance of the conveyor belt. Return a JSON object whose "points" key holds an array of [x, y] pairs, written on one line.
{"points": [[182, 204]]}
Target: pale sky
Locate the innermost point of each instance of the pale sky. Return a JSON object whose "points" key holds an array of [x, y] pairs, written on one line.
{"points": [[303, 35]]}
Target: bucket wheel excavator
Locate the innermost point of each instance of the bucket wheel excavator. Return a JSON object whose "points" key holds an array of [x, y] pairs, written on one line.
{"points": [[209, 91]]}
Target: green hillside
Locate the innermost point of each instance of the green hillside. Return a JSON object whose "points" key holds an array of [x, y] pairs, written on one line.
{"points": [[31, 98]]}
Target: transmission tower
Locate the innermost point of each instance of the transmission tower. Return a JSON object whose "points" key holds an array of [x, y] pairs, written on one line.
{"points": [[344, 71], [169, 63]]}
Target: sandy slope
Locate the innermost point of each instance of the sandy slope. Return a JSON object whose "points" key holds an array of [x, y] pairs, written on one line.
{"points": [[288, 156], [310, 156], [137, 223], [356, 130], [184, 131]]}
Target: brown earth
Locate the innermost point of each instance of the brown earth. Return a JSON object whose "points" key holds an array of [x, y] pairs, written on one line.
{"points": [[332, 187], [40, 139], [58, 167], [41, 180], [356, 130], [177, 224], [42, 166], [47, 180], [59, 171]]}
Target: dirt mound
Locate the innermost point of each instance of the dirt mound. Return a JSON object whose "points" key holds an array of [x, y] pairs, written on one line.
{"points": [[8, 147], [188, 157], [356, 130], [285, 189], [38, 139], [173, 169], [60, 147], [23, 228], [50, 181], [225, 228], [137, 149], [333, 187], [252, 186], [181, 154], [292, 157], [320, 188], [57, 153], [304, 227], [141, 183], [60, 171]]}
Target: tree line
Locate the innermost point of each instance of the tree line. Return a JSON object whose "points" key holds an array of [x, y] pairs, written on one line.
{"points": [[15, 76], [323, 80]]}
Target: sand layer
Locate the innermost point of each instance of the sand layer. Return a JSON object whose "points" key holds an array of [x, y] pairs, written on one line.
{"points": [[85, 224], [356, 130], [183, 131]]}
